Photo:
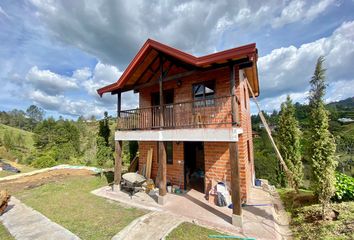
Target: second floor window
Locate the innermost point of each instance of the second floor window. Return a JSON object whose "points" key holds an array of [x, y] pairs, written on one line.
{"points": [[204, 93]]}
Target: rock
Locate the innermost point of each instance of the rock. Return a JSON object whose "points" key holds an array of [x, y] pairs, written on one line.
{"points": [[4, 200]]}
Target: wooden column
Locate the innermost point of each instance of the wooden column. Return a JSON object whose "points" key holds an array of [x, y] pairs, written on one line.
{"points": [[233, 148], [118, 163], [118, 149], [162, 147]]}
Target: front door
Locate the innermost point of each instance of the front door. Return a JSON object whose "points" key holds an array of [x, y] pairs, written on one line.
{"points": [[194, 169]]}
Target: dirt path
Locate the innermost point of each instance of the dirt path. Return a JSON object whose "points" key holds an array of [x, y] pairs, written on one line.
{"points": [[24, 223], [40, 178]]}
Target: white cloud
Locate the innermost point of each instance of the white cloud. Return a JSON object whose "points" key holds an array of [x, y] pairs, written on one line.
{"points": [[289, 69], [299, 10], [64, 105], [50, 82], [194, 26], [49, 90]]}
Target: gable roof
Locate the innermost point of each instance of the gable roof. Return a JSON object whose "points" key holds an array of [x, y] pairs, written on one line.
{"points": [[140, 66]]}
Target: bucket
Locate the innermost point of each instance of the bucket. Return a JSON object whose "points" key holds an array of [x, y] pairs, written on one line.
{"points": [[258, 182], [169, 189]]}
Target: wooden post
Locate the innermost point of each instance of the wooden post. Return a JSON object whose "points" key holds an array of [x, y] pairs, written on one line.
{"points": [[118, 165], [119, 104], [234, 160], [118, 150], [162, 147]]}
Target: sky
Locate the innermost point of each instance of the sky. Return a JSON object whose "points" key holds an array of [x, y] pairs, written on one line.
{"points": [[56, 54]]}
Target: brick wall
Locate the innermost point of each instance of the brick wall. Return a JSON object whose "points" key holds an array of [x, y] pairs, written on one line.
{"points": [[174, 171], [217, 165]]}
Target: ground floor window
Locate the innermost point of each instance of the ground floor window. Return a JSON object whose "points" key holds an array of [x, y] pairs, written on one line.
{"points": [[169, 152]]}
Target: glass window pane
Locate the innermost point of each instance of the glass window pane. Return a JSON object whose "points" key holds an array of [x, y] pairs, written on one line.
{"points": [[169, 152]]}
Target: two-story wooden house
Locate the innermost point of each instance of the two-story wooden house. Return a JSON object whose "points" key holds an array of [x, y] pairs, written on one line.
{"points": [[194, 112]]}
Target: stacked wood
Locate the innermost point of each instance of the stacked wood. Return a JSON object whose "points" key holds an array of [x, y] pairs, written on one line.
{"points": [[4, 200]]}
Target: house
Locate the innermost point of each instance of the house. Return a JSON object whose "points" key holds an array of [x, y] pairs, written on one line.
{"points": [[194, 112]]}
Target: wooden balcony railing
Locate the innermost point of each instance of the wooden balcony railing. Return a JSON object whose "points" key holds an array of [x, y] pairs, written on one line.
{"points": [[198, 113]]}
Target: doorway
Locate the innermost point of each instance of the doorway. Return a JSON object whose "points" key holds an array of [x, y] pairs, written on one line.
{"points": [[194, 166], [168, 96]]}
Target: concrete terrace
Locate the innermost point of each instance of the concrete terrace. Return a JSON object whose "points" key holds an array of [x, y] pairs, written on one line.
{"points": [[266, 221]]}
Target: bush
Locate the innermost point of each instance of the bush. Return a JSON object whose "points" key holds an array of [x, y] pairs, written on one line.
{"points": [[43, 162], [344, 188]]}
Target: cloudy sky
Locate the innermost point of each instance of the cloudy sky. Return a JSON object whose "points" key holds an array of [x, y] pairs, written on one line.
{"points": [[57, 53]]}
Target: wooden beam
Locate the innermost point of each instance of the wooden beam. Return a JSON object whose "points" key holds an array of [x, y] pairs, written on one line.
{"points": [[118, 163], [233, 149], [167, 79], [147, 68], [243, 61]]}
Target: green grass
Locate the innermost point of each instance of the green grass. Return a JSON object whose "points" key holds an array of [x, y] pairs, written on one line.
{"points": [[4, 234], [187, 231], [70, 204], [27, 136], [306, 222]]}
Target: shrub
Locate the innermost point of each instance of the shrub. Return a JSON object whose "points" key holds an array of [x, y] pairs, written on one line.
{"points": [[344, 188], [43, 162]]}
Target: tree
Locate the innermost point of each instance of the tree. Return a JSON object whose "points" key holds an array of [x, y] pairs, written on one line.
{"points": [[289, 142], [104, 154], [35, 115], [104, 130], [322, 146]]}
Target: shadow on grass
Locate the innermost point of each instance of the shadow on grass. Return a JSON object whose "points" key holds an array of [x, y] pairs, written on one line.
{"points": [[109, 175]]}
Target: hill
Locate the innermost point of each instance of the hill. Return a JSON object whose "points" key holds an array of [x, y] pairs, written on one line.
{"points": [[346, 103], [21, 142]]}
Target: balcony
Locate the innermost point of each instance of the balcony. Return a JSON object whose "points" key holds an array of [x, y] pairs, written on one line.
{"points": [[206, 113]]}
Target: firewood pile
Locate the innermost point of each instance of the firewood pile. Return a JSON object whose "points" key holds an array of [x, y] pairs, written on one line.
{"points": [[4, 200]]}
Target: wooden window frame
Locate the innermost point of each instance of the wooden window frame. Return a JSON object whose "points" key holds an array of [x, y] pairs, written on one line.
{"points": [[211, 101]]}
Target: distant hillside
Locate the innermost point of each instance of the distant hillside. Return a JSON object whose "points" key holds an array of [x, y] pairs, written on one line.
{"points": [[21, 140], [346, 103]]}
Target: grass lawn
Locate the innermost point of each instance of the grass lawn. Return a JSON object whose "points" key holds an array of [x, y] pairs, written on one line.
{"points": [[187, 231], [306, 222], [70, 203], [4, 234]]}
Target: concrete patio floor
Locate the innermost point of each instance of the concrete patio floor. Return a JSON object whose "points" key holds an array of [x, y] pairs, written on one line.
{"points": [[260, 222]]}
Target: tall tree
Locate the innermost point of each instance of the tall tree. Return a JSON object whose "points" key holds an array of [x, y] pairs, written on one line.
{"points": [[322, 146], [35, 115], [289, 142], [104, 130]]}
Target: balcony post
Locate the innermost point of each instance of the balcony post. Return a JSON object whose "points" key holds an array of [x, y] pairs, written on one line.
{"points": [[119, 103], [234, 158], [162, 147]]}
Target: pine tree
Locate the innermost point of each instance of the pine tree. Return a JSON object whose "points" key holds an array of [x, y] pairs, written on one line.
{"points": [[289, 142], [103, 130], [322, 145]]}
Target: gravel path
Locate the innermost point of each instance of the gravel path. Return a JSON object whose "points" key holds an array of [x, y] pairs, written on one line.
{"points": [[25, 223]]}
